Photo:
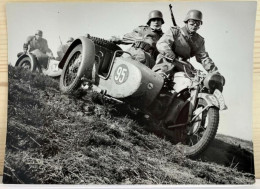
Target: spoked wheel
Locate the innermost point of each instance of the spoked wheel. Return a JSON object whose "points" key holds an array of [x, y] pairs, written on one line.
{"points": [[203, 129], [69, 81], [26, 63]]}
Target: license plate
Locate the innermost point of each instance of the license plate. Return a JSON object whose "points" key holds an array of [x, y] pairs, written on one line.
{"points": [[219, 96]]}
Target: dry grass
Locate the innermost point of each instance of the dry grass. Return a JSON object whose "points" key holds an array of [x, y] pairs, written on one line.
{"points": [[53, 139]]}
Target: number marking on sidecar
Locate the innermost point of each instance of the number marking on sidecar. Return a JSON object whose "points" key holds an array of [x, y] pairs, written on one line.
{"points": [[121, 74]]}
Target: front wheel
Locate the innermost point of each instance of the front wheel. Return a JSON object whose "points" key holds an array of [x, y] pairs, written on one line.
{"points": [[69, 80], [202, 131]]}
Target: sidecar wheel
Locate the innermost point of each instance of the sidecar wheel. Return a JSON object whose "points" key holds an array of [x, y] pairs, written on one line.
{"points": [[202, 132], [26, 63], [69, 80]]}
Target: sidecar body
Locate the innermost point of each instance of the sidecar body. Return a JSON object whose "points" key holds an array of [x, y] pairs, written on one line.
{"points": [[113, 72], [131, 81]]}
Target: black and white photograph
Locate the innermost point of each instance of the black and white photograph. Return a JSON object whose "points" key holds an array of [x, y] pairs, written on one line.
{"points": [[130, 93]]}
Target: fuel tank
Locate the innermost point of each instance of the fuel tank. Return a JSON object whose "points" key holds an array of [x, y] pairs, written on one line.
{"points": [[131, 81]]}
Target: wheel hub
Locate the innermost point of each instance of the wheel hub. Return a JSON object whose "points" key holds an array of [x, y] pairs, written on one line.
{"points": [[74, 67], [26, 65]]}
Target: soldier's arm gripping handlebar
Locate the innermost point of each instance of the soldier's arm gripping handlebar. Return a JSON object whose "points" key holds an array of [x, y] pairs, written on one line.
{"points": [[173, 19]]}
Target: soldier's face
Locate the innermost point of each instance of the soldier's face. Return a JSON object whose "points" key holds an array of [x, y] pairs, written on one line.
{"points": [[156, 23], [38, 36], [193, 25]]}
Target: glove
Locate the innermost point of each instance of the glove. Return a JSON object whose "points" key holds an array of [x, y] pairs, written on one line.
{"points": [[169, 55], [50, 55]]}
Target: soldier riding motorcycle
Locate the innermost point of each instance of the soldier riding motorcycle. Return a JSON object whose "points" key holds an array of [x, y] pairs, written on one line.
{"points": [[36, 55], [176, 46], [187, 104]]}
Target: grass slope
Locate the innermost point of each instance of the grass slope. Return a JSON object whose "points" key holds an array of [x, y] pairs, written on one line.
{"points": [[53, 138]]}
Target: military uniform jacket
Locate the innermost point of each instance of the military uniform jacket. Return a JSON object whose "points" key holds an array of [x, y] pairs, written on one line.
{"points": [[40, 44], [177, 42], [145, 34]]}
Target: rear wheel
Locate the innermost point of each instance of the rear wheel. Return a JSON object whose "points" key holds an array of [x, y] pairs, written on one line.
{"points": [[69, 80], [27, 63]]}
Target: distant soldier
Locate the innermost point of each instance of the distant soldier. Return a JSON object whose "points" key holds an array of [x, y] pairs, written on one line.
{"points": [[63, 48], [183, 43], [144, 39], [37, 42]]}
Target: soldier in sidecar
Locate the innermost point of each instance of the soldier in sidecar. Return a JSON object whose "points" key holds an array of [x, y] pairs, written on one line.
{"points": [[144, 39], [36, 55]]}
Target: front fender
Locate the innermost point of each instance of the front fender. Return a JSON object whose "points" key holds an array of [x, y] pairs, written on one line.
{"points": [[88, 56], [210, 99], [213, 100]]}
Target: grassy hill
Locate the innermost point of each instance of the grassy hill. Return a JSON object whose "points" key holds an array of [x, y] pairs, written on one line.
{"points": [[54, 138]]}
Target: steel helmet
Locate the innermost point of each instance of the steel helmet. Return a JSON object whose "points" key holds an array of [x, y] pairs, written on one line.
{"points": [[70, 39], [194, 15], [155, 14], [38, 32]]}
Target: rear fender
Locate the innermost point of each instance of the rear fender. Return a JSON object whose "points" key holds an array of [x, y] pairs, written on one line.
{"points": [[88, 56]]}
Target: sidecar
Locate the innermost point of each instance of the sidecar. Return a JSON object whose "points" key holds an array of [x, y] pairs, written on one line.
{"points": [[37, 61], [112, 72]]}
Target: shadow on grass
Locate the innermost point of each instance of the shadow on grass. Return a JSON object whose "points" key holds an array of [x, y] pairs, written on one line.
{"points": [[229, 155]]}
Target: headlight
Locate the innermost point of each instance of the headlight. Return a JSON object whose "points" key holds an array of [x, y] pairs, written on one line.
{"points": [[214, 81]]}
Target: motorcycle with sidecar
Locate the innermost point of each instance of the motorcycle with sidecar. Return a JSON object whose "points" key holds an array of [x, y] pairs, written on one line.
{"points": [[189, 109], [37, 61]]}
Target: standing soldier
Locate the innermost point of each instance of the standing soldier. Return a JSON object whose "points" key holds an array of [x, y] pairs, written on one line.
{"points": [[63, 48], [183, 43], [144, 39]]}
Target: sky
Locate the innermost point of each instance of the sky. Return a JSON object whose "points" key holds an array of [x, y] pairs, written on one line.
{"points": [[228, 30]]}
